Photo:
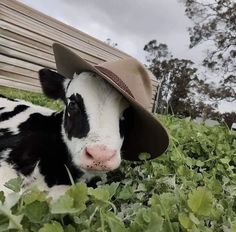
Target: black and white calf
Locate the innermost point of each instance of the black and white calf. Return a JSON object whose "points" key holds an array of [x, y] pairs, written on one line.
{"points": [[38, 144]]}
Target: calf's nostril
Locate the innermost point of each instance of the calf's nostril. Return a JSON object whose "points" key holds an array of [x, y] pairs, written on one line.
{"points": [[88, 155]]}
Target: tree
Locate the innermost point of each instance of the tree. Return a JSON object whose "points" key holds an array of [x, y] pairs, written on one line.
{"points": [[215, 23], [177, 79], [229, 118]]}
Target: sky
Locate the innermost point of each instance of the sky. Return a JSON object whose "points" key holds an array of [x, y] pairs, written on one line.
{"points": [[129, 23]]}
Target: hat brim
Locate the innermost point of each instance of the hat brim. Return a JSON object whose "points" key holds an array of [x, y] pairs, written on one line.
{"points": [[147, 134]]}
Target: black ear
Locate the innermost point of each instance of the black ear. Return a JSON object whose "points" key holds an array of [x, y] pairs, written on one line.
{"points": [[52, 84]]}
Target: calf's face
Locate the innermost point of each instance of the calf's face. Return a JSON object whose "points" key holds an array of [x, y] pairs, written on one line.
{"points": [[93, 125]]}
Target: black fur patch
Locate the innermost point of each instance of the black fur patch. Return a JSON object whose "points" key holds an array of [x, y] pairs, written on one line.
{"points": [[40, 142], [52, 84], [7, 139], [93, 182], [7, 115], [4, 131], [76, 122], [127, 122]]}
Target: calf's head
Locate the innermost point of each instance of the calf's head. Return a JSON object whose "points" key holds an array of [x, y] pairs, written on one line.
{"points": [[94, 120]]}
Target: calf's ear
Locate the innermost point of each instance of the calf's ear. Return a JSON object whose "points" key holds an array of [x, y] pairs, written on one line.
{"points": [[52, 84]]}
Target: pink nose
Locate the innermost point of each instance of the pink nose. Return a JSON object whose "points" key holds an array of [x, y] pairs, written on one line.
{"points": [[100, 153], [99, 157]]}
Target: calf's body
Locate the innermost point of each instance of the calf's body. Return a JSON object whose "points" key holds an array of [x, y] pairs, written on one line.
{"points": [[86, 137]]}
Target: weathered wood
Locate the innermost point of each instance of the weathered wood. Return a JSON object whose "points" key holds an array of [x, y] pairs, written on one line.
{"points": [[18, 77], [4, 81], [19, 63], [26, 57], [11, 43], [20, 71], [22, 47], [47, 38], [23, 39]]}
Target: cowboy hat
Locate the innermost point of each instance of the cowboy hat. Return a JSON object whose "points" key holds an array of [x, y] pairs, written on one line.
{"points": [[132, 80]]}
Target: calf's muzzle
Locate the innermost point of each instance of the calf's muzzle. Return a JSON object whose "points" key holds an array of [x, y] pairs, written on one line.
{"points": [[100, 158]]}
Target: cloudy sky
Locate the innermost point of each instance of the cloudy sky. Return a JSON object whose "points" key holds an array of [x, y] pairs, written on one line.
{"points": [[130, 23]]}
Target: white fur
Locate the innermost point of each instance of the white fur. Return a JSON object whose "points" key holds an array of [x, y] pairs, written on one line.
{"points": [[13, 123], [35, 179], [7, 107], [104, 107], [7, 171], [4, 154]]}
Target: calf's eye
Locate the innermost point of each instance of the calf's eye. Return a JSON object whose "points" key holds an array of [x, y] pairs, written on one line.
{"points": [[72, 106]]}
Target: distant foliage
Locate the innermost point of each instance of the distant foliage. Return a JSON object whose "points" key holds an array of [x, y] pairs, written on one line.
{"points": [[215, 24], [177, 80]]}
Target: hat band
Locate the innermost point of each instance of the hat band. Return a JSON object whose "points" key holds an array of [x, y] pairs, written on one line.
{"points": [[115, 79]]}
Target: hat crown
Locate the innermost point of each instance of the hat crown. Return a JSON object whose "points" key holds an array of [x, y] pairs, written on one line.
{"points": [[135, 76]]}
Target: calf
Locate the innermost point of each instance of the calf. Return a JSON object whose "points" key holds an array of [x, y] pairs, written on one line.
{"points": [[86, 137]]}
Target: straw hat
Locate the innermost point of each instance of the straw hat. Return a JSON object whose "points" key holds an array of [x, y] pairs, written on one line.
{"points": [[132, 80]]}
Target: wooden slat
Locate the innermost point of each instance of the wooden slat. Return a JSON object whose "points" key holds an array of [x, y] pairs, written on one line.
{"points": [[18, 63], [24, 39], [21, 31], [53, 34], [19, 78], [4, 81], [7, 43], [45, 40], [20, 71], [8, 49], [26, 57], [10, 38], [48, 56]]}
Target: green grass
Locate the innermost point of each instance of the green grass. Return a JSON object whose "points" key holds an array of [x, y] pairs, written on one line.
{"points": [[35, 98], [192, 188]]}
